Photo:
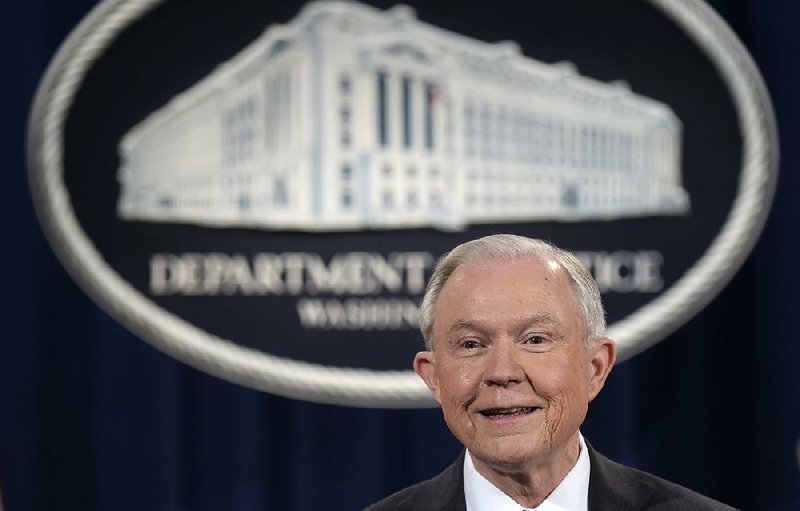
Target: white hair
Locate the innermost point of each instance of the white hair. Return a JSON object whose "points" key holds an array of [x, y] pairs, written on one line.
{"points": [[507, 247]]}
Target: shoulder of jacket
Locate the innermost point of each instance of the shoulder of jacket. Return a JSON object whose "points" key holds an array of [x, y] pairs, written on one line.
{"points": [[444, 491], [662, 493]]}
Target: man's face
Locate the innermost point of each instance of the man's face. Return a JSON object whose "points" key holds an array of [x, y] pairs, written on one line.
{"points": [[511, 366]]}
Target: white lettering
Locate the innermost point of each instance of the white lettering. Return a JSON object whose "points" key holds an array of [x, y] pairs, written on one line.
{"points": [[290, 273], [359, 273], [625, 271], [357, 313]]}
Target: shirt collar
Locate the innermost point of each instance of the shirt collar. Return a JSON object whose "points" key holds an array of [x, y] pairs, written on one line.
{"points": [[571, 494]]}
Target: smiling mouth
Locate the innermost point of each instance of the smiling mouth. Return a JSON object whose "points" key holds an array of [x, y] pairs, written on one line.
{"points": [[508, 412]]}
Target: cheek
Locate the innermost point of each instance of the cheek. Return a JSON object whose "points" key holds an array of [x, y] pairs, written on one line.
{"points": [[566, 392], [458, 387], [456, 392]]}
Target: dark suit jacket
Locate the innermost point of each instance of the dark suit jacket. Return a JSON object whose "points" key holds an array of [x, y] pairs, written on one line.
{"points": [[612, 487]]}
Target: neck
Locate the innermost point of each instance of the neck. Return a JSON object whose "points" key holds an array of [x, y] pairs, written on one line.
{"points": [[531, 483]]}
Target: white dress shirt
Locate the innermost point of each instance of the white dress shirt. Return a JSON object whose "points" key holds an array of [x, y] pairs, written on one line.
{"points": [[571, 494]]}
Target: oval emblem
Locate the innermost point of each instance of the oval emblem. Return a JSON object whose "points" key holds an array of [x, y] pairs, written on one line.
{"points": [[263, 194]]}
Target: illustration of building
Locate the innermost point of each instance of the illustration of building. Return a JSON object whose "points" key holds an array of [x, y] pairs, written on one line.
{"points": [[349, 117]]}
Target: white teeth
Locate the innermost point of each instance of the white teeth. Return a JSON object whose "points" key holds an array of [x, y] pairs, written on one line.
{"points": [[508, 411]]}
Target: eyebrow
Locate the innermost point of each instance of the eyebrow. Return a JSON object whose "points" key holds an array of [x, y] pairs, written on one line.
{"points": [[538, 318]]}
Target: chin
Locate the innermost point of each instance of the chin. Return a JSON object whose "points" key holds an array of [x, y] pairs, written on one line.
{"points": [[508, 454]]}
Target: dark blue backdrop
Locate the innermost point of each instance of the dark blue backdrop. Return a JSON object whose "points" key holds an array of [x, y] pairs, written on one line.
{"points": [[93, 418]]}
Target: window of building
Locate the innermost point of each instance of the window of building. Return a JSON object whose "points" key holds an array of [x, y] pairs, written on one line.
{"points": [[594, 151], [469, 129], [287, 119], [485, 128], [605, 149], [238, 125], [228, 138], [408, 119], [450, 126], [547, 140], [627, 152], [383, 109], [431, 100], [279, 193], [277, 115], [345, 125], [584, 147], [501, 127], [346, 171], [344, 84], [535, 140], [412, 199]]}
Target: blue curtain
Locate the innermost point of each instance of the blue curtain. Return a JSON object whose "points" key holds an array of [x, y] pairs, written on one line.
{"points": [[93, 418]]}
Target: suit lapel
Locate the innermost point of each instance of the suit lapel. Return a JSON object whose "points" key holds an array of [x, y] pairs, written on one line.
{"points": [[611, 487], [444, 492], [451, 497], [614, 486]]}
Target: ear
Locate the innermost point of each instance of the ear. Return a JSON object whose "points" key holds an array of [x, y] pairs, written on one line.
{"points": [[425, 367], [603, 352]]}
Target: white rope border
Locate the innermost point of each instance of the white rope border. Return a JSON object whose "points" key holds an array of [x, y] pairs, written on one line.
{"points": [[361, 387], [733, 243]]}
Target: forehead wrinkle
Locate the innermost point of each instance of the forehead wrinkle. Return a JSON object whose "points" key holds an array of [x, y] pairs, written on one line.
{"points": [[540, 318], [543, 319], [464, 324]]}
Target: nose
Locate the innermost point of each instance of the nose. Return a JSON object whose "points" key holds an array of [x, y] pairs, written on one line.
{"points": [[503, 365]]}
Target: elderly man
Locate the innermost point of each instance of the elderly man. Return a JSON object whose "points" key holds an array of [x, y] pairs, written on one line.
{"points": [[514, 331]]}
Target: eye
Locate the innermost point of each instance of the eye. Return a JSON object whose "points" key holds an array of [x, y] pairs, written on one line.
{"points": [[537, 342], [535, 339], [470, 344]]}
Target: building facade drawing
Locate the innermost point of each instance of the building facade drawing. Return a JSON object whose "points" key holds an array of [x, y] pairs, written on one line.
{"points": [[349, 117]]}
